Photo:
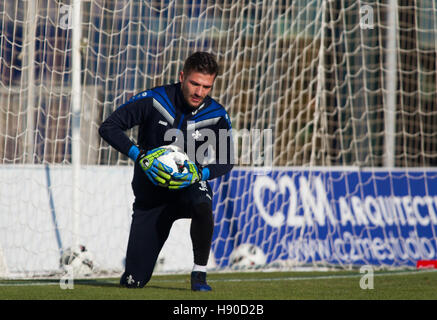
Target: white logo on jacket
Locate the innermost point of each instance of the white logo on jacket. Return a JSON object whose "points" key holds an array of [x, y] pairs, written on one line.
{"points": [[196, 135]]}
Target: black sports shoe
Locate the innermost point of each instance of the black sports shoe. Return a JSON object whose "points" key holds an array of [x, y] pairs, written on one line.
{"points": [[198, 281]]}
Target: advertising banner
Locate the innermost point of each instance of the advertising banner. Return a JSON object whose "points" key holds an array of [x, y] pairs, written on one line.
{"points": [[339, 217]]}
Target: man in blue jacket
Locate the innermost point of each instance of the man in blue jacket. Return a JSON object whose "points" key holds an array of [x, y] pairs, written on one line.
{"points": [[183, 114]]}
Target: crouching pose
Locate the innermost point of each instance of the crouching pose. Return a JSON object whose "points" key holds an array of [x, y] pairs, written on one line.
{"points": [[182, 113]]}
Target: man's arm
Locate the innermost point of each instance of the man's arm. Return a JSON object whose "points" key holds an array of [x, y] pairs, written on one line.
{"points": [[135, 112], [224, 161], [112, 130], [224, 151]]}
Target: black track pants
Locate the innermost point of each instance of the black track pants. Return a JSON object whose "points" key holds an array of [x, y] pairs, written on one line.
{"points": [[150, 228]]}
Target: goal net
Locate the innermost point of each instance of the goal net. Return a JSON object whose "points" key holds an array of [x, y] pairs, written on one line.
{"points": [[334, 112]]}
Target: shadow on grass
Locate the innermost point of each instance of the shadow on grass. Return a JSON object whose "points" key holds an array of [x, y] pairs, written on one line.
{"points": [[167, 288], [115, 284]]}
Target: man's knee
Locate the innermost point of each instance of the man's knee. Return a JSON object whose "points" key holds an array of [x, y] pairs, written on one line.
{"points": [[129, 281]]}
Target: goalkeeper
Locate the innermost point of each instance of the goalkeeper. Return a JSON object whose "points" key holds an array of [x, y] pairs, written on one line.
{"points": [[167, 115]]}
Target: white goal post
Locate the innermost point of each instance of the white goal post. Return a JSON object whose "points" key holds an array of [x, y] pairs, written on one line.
{"points": [[333, 106]]}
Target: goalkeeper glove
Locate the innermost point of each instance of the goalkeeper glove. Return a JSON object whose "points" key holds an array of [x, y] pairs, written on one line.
{"points": [[183, 180], [157, 172]]}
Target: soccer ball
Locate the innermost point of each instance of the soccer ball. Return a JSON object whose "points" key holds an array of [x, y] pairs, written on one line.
{"points": [[77, 260], [174, 158], [247, 256]]}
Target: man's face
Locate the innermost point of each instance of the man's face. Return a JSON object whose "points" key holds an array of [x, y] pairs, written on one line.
{"points": [[195, 87]]}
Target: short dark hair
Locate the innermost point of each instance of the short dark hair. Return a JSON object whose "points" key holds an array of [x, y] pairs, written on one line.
{"points": [[203, 62]]}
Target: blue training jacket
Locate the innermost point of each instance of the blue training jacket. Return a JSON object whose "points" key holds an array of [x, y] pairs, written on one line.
{"points": [[164, 118]]}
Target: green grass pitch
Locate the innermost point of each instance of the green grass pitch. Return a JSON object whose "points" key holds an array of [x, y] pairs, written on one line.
{"points": [[337, 285]]}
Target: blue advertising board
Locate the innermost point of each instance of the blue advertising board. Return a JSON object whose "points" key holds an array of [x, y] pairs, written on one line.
{"points": [[329, 216]]}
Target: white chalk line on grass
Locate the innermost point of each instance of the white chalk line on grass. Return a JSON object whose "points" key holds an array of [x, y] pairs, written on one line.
{"points": [[343, 276], [28, 284], [14, 283]]}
